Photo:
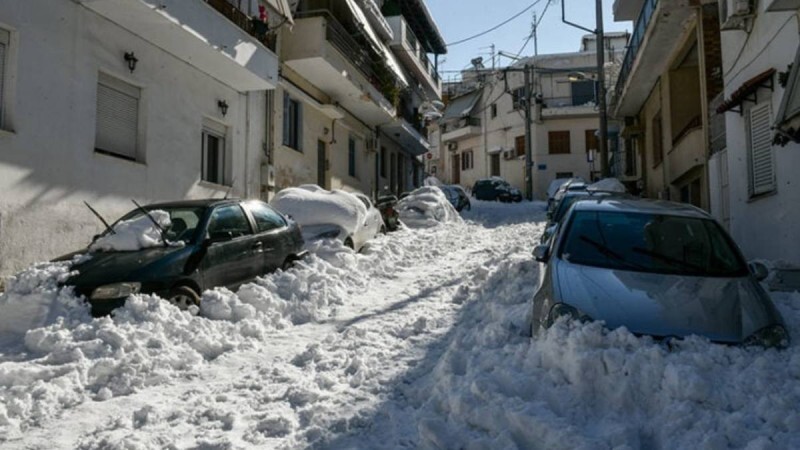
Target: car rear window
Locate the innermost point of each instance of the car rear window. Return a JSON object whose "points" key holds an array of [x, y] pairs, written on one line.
{"points": [[651, 243]]}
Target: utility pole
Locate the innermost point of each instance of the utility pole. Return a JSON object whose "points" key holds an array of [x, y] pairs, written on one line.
{"points": [[601, 81], [528, 135]]}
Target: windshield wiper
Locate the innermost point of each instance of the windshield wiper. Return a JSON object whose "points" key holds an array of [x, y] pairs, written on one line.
{"points": [[97, 214], [670, 260], [608, 252], [161, 230]]}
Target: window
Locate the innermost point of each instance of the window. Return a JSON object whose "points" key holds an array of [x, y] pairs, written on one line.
{"points": [[213, 153], [558, 142], [4, 42], [658, 140], [351, 157], [762, 164], [117, 127], [228, 221], [518, 98], [467, 161], [592, 143], [266, 218], [564, 175], [365, 201], [493, 110], [582, 92], [383, 162], [519, 146], [292, 123]]}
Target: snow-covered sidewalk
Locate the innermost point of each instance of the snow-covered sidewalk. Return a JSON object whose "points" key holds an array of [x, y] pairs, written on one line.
{"points": [[418, 342]]}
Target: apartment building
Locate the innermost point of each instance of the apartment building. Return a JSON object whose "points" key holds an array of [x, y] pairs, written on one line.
{"points": [[669, 79], [107, 101], [483, 127], [355, 74]]}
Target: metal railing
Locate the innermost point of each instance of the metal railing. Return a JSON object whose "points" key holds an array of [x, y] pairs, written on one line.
{"points": [[576, 100], [639, 30], [250, 25], [461, 123]]}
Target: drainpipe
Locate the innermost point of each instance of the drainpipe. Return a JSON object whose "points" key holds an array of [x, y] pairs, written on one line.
{"points": [[377, 162]]}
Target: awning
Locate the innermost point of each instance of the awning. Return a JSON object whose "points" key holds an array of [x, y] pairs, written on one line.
{"points": [[461, 106], [375, 40], [282, 7], [746, 90]]}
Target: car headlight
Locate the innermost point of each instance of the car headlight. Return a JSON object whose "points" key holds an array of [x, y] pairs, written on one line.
{"points": [[772, 336], [563, 310], [116, 290]]}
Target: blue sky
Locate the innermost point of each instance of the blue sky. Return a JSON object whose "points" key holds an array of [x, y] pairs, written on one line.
{"points": [[458, 19]]}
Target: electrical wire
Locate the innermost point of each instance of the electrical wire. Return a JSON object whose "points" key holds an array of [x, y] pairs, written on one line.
{"points": [[536, 28], [482, 33]]}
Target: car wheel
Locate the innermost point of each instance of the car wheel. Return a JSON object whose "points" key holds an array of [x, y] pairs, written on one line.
{"points": [[349, 244], [183, 297]]}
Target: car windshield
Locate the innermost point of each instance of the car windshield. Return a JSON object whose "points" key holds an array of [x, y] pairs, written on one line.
{"points": [[651, 243], [563, 206], [184, 220]]}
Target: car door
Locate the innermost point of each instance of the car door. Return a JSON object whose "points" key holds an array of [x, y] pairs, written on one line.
{"points": [[273, 233], [233, 253]]}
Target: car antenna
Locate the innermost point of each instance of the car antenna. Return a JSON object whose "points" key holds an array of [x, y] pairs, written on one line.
{"points": [[97, 214], [230, 188], [160, 228]]}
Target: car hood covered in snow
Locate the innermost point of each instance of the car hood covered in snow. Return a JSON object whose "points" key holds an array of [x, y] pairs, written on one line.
{"points": [[112, 267], [721, 309]]}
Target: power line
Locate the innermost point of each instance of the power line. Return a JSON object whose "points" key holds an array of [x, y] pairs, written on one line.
{"points": [[496, 26]]}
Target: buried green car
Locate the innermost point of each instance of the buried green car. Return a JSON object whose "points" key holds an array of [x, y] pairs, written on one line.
{"points": [[206, 243]]}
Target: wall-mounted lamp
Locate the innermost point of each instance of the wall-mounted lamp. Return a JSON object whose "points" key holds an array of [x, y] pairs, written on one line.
{"points": [[223, 107], [131, 59]]}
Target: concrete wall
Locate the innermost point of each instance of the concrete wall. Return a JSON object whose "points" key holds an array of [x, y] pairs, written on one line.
{"points": [[765, 226], [48, 166]]}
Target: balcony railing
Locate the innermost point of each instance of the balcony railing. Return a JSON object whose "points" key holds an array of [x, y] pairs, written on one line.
{"points": [[370, 65], [413, 43], [639, 30], [575, 100], [461, 123], [250, 25]]}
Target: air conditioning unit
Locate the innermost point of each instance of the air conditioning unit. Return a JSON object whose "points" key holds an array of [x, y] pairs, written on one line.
{"points": [[452, 146], [733, 14], [509, 154]]}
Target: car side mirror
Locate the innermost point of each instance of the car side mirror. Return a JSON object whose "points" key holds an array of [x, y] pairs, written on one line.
{"points": [[759, 270], [541, 253]]}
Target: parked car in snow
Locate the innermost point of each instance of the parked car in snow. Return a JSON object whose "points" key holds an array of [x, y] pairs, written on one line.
{"points": [[496, 189], [573, 184], [457, 197], [425, 207], [658, 268], [387, 205], [555, 185], [350, 218], [555, 216], [205, 243]]}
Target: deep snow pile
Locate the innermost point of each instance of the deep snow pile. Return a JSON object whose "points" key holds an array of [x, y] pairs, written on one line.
{"points": [[313, 205], [425, 207], [134, 234]]}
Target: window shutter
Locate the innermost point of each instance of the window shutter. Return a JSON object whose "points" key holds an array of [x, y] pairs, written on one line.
{"points": [[762, 168], [286, 120], [299, 126], [117, 117]]}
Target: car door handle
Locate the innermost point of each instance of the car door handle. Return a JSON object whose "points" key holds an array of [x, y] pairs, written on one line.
{"points": [[258, 247]]}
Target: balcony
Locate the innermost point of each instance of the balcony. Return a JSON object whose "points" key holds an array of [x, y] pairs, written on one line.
{"points": [[413, 55], [321, 50], [212, 36], [656, 33], [577, 105], [461, 129], [687, 153]]}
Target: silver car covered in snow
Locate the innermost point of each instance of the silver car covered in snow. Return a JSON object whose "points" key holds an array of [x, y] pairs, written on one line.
{"points": [[658, 268]]}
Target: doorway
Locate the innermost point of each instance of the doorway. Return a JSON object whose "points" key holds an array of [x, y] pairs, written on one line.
{"points": [[494, 165], [322, 163], [457, 168]]}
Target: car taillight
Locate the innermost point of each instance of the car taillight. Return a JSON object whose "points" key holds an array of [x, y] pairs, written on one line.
{"points": [[390, 211]]}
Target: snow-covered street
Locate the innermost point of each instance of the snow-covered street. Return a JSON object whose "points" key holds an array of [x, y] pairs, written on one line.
{"points": [[417, 342]]}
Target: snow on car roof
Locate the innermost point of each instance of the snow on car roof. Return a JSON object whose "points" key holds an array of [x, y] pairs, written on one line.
{"points": [[313, 205]]}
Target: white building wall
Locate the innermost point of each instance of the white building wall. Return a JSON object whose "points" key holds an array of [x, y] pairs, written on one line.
{"points": [[767, 226], [47, 163]]}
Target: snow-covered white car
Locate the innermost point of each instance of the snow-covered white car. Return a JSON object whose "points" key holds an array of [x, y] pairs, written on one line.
{"points": [[350, 218], [426, 206]]}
